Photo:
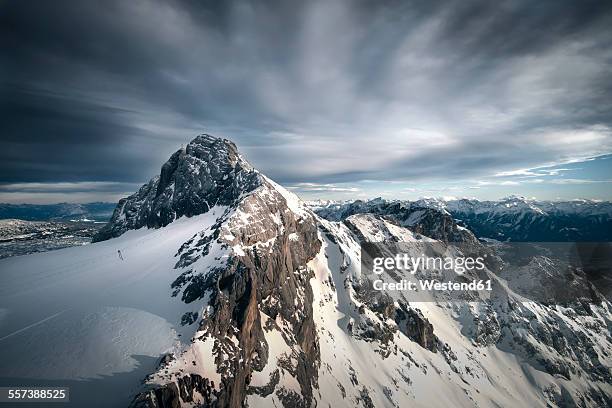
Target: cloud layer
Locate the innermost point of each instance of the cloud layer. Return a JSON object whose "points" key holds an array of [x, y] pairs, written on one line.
{"points": [[328, 93]]}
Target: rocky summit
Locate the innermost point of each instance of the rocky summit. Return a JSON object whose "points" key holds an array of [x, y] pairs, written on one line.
{"points": [[207, 172]]}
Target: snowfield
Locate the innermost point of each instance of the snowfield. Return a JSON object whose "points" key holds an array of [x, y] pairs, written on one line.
{"points": [[83, 317]]}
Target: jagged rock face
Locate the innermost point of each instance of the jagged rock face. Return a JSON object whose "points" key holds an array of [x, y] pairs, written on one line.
{"points": [[272, 279], [262, 283], [435, 224], [416, 327], [432, 222], [207, 172], [170, 395]]}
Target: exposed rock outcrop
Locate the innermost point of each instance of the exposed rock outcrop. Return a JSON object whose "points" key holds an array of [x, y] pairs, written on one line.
{"points": [[412, 323]]}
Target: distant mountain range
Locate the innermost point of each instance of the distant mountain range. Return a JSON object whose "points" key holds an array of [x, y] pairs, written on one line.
{"points": [[19, 237], [510, 219], [513, 218], [57, 212]]}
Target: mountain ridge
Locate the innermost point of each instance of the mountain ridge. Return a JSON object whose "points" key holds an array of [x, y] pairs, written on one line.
{"points": [[97, 211], [510, 219]]}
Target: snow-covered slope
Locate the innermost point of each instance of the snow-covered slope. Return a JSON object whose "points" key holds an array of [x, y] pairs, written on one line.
{"points": [[505, 352], [249, 298], [83, 317]]}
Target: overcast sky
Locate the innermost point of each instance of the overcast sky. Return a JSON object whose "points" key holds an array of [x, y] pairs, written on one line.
{"points": [[334, 99]]}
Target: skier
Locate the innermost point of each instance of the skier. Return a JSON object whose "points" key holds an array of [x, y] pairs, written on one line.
{"points": [[120, 255]]}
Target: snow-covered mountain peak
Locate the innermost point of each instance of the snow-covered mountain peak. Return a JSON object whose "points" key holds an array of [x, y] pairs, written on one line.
{"points": [[518, 203], [208, 171], [514, 197]]}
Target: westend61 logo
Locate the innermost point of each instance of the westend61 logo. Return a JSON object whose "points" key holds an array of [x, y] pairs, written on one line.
{"points": [[423, 267], [547, 272], [431, 267]]}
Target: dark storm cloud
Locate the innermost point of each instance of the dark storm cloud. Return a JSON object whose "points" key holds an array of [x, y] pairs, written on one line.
{"points": [[507, 28], [317, 91], [49, 137]]}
